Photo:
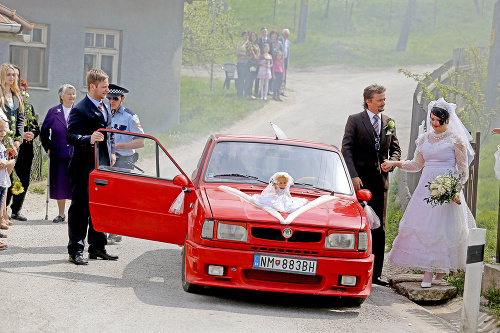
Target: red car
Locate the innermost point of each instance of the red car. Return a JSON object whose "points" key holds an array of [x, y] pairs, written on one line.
{"points": [[229, 242]]}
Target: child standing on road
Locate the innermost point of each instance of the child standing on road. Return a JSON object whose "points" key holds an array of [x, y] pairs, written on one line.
{"points": [[6, 165], [264, 74], [278, 75]]}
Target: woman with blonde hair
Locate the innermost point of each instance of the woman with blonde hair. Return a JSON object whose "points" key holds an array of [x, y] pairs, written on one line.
{"points": [[12, 112]]}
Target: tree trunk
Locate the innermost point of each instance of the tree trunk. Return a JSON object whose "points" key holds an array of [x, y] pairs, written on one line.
{"points": [[478, 10], [405, 31], [493, 78], [304, 10]]}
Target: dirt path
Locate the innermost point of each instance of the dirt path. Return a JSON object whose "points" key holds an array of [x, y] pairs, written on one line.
{"points": [[317, 105]]}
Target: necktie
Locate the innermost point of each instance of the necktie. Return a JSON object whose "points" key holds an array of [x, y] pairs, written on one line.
{"points": [[100, 109], [376, 124]]}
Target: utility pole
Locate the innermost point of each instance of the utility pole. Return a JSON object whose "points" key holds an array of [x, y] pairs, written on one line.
{"points": [[493, 78], [304, 10]]}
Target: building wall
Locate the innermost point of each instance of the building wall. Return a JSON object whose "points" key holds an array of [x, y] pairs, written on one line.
{"points": [[150, 57]]}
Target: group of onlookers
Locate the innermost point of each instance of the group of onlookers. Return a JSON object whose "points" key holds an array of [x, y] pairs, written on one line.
{"points": [[18, 129], [262, 63]]}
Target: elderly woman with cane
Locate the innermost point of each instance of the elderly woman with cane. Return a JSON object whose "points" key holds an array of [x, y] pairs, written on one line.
{"points": [[53, 136]]}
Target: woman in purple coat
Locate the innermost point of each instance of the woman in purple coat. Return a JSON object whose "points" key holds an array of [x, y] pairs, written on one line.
{"points": [[53, 136]]}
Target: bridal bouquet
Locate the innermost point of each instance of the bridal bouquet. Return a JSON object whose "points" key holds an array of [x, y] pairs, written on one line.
{"points": [[443, 189]]}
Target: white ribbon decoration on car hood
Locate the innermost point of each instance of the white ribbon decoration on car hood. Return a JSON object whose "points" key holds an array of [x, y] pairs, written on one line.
{"points": [[292, 216]]}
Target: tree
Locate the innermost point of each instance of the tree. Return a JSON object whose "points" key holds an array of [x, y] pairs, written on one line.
{"points": [[207, 33], [304, 12], [405, 31]]}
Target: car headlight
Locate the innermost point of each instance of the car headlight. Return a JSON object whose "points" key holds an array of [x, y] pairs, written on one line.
{"points": [[337, 240], [232, 231], [207, 230], [362, 241]]}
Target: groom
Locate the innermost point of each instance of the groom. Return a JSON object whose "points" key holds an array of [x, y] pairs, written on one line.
{"points": [[369, 139]]}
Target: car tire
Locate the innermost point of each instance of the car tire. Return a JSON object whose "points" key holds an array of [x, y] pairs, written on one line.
{"points": [[188, 287]]}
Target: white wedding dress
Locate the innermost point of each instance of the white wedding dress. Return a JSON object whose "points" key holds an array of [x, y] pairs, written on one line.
{"points": [[434, 238]]}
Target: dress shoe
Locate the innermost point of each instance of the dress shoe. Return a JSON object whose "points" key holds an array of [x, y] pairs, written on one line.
{"points": [[102, 254], [380, 282], [58, 219], [77, 259], [18, 216]]}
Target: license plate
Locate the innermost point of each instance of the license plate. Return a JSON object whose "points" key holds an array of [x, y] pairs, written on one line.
{"points": [[284, 264]]}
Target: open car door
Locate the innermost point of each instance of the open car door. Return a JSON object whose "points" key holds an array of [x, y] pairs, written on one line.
{"points": [[133, 197]]}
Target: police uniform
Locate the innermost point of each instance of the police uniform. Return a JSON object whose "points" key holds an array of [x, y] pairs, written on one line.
{"points": [[124, 120]]}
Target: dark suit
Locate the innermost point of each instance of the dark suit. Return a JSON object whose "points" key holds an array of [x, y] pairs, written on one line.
{"points": [[84, 119], [363, 161], [23, 165]]}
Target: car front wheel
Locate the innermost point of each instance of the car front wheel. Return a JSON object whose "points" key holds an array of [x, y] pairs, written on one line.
{"points": [[188, 287]]}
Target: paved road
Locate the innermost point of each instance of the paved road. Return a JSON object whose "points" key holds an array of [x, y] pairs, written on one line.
{"points": [[141, 292]]}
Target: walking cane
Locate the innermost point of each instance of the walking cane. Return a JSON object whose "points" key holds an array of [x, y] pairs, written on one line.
{"points": [[48, 187]]}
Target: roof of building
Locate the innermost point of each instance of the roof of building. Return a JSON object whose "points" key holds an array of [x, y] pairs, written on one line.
{"points": [[9, 16]]}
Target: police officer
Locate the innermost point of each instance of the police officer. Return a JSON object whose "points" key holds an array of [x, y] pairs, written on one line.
{"points": [[123, 119]]}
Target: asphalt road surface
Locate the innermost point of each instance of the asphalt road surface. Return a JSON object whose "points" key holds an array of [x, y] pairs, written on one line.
{"points": [[141, 292]]}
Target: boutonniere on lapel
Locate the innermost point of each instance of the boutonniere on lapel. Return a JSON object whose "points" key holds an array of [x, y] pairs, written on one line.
{"points": [[389, 128], [58, 111]]}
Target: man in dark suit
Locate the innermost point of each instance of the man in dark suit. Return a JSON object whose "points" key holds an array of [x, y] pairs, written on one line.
{"points": [[86, 117], [368, 141], [265, 40]]}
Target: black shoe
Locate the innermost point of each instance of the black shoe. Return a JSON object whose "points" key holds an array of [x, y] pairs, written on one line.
{"points": [[380, 282], [77, 259], [3, 235], [58, 219], [102, 254], [18, 216]]}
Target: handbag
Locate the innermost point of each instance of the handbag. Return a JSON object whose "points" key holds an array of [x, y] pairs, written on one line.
{"points": [[497, 163]]}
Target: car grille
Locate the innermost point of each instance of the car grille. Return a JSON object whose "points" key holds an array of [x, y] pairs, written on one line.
{"points": [[284, 251], [255, 274], [276, 235]]}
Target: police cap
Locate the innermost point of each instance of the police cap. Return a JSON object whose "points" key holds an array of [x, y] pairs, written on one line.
{"points": [[115, 90]]}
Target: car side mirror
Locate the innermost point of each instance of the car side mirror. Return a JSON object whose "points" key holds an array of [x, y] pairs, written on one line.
{"points": [[364, 195], [181, 180]]}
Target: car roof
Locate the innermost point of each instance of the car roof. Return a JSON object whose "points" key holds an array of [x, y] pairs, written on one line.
{"points": [[268, 139]]}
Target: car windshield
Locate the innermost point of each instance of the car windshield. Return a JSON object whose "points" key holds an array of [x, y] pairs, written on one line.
{"points": [[256, 162]]}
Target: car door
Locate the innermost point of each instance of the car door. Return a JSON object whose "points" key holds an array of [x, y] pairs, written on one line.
{"points": [[134, 197]]}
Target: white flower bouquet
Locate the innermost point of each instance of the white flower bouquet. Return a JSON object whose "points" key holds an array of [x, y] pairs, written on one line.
{"points": [[443, 189]]}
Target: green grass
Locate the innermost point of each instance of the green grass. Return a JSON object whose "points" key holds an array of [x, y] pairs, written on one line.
{"points": [[372, 31], [493, 297], [203, 112]]}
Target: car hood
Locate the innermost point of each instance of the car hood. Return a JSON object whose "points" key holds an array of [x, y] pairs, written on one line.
{"points": [[338, 213]]}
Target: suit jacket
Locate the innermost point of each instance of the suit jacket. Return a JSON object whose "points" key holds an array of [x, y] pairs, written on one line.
{"points": [[358, 148], [19, 116], [84, 119], [269, 42], [53, 133]]}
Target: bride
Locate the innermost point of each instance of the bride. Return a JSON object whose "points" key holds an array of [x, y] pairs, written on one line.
{"points": [[434, 239]]}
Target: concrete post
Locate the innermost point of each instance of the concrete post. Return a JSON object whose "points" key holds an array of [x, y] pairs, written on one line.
{"points": [[473, 278]]}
